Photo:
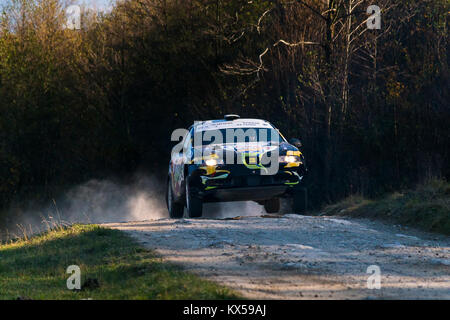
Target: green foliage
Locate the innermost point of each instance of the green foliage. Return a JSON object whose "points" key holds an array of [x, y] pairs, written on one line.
{"points": [[36, 268]]}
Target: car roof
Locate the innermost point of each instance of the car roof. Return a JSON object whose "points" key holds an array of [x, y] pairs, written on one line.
{"points": [[231, 124]]}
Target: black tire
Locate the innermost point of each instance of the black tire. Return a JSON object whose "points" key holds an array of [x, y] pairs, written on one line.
{"points": [[299, 201], [176, 210], [272, 205], [194, 205]]}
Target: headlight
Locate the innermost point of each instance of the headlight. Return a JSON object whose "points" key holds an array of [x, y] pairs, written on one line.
{"points": [[289, 159], [211, 162]]}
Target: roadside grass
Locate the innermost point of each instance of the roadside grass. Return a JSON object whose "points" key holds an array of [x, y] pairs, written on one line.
{"points": [[426, 208], [35, 268]]}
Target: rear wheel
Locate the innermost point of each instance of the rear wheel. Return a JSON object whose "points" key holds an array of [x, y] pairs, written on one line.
{"points": [[194, 204], [175, 209], [272, 205]]}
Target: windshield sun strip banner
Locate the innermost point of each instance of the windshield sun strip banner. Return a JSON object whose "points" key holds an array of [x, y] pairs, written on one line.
{"points": [[236, 124]]}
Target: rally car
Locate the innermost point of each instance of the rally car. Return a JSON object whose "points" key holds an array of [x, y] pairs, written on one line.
{"points": [[234, 159]]}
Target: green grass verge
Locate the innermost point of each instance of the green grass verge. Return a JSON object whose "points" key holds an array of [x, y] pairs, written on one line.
{"points": [[426, 208], [36, 268]]}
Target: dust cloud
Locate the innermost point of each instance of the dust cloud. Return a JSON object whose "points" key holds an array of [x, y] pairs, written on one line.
{"points": [[96, 201], [110, 201], [106, 201]]}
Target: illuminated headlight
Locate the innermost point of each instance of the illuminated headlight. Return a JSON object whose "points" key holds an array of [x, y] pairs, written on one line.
{"points": [[213, 162], [289, 159]]}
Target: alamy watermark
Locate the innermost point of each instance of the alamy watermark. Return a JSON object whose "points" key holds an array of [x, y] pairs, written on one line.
{"points": [[374, 21], [74, 281], [374, 280], [255, 147], [73, 18]]}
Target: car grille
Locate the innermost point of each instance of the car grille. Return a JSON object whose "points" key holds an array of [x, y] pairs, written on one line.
{"points": [[251, 160], [246, 181]]}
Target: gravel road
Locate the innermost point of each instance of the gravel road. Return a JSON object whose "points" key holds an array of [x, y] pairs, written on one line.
{"points": [[303, 257]]}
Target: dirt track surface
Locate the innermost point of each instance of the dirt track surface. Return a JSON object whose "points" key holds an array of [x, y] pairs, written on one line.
{"points": [[303, 257]]}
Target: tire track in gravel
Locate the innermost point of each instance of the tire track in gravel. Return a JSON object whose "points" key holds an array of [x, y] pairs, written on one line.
{"points": [[303, 257]]}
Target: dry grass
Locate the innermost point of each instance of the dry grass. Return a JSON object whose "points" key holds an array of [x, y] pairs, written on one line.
{"points": [[427, 207]]}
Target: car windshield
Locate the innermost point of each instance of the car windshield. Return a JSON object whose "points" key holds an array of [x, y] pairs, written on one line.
{"points": [[241, 135]]}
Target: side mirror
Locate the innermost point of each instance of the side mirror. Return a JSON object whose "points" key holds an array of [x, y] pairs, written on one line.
{"points": [[296, 142]]}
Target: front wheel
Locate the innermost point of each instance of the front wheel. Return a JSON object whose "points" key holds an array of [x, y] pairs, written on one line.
{"points": [[194, 205], [176, 210]]}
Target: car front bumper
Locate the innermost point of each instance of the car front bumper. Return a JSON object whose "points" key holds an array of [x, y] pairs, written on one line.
{"points": [[240, 183]]}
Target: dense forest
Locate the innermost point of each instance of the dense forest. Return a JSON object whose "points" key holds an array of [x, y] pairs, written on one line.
{"points": [[371, 106]]}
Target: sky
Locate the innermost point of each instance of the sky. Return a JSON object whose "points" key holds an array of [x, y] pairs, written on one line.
{"points": [[99, 4]]}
